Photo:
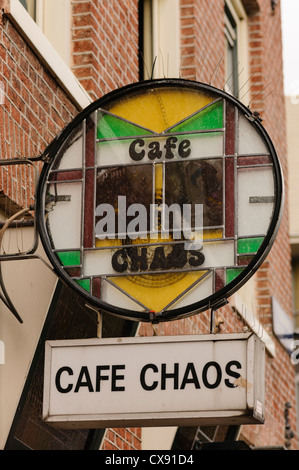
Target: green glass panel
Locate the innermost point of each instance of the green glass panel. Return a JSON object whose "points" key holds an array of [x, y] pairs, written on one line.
{"points": [[249, 245], [70, 258], [111, 127], [84, 283], [209, 118], [231, 274]]}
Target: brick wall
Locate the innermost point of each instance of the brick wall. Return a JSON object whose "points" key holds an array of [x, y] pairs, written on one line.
{"points": [[105, 44], [270, 103], [34, 110], [202, 41], [274, 277], [122, 439], [202, 48]]}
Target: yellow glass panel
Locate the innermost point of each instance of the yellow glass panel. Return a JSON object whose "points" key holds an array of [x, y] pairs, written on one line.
{"points": [[150, 289], [212, 234], [160, 109]]}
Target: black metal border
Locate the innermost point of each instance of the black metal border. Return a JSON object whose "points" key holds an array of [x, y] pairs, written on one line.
{"points": [[220, 297]]}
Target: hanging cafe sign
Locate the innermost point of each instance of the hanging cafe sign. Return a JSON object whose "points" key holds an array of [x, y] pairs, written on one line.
{"points": [[160, 200]]}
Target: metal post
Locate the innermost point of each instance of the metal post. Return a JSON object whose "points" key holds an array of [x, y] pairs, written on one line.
{"points": [[212, 321]]}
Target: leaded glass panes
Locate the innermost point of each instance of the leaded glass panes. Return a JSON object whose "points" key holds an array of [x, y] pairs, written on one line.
{"points": [[161, 199]]}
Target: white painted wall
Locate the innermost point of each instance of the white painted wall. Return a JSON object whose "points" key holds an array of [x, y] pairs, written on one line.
{"points": [[30, 285]]}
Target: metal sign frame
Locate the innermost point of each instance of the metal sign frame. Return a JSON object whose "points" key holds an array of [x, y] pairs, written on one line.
{"points": [[218, 297]]}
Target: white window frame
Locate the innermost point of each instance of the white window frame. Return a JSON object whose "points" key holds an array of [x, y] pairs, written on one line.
{"points": [[54, 19], [161, 38], [31, 4], [239, 15], [46, 52]]}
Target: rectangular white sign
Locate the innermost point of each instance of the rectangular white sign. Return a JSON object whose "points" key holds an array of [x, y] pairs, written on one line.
{"points": [[154, 381]]}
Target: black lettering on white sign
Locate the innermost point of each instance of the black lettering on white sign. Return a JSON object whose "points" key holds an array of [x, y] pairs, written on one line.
{"points": [[151, 377]]}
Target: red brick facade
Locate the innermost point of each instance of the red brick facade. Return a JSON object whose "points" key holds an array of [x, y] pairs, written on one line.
{"points": [[105, 44], [202, 42], [35, 108], [105, 41]]}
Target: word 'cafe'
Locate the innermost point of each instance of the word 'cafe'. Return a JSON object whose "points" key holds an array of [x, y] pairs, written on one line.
{"points": [[155, 150]]}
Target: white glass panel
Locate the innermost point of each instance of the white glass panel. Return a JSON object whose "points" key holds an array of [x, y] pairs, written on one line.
{"points": [[65, 216], [202, 290], [250, 141], [114, 152], [97, 263], [255, 187], [112, 295], [72, 157], [117, 152], [218, 254], [206, 145]]}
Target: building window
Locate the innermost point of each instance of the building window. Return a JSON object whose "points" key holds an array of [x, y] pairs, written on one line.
{"points": [[236, 36], [159, 38], [54, 19], [44, 41], [145, 39], [30, 6], [232, 69]]}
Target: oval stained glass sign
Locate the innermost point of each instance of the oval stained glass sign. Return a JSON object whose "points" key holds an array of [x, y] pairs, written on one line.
{"points": [[160, 200]]}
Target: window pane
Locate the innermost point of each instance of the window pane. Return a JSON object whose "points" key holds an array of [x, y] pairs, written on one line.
{"points": [[30, 6], [231, 33], [146, 38]]}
